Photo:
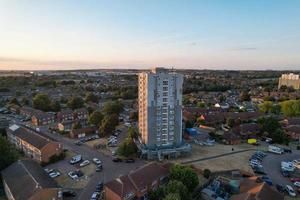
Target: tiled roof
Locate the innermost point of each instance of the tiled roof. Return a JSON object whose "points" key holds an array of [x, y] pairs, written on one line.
{"points": [[26, 177]]}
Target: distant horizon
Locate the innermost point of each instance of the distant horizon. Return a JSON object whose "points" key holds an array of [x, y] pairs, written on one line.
{"points": [[217, 35]]}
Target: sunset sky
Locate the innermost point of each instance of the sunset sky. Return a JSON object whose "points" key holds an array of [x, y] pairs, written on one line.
{"points": [[212, 34]]}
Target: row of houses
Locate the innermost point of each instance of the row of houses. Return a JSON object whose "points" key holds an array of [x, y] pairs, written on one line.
{"points": [[35, 145], [137, 183]]}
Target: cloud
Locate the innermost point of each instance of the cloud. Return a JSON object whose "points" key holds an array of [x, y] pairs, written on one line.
{"points": [[244, 49]]}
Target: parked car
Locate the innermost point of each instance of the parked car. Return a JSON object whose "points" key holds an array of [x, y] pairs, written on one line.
{"points": [[117, 160], [48, 170], [295, 179], [84, 163], [95, 196], [280, 188], [259, 170], [267, 180], [54, 174], [290, 191], [285, 150], [99, 168], [285, 173], [297, 184], [68, 193], [97, 161], [113, 153], [73, 175], [129, 160], [76, 159], [99, 187]]}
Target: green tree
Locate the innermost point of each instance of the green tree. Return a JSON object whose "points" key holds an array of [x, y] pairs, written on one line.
{"points": [[132, 132], [244, 96], [133, 116], [113, 107], [76, 125], [269, 124], [278, 136], [55, 106], [172, 196], [201, 104], [24, 101], [95, 118], [206, 173], [109, 124], [75, 102], [230, 122], [8, 154], [42, 102], [91, 97], [291, 108], [157, 194], [266, 106], [14, 101], [186, 175], [188, 124], [127, 148], [174, 187]]}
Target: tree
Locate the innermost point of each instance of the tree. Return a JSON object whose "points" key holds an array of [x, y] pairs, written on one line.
{"points": [[55, 106], [188, 124], [76, 125], [95, 118], [201, 104], [172, 196], [8, 154], [24, 101], [278, 136], [266, 106], [132, 133], [291, 108], [14, 101], [75, 102], [113, 107], [133, 116], [269, 124], [91, 97], [157, 194], [127, 148], [109, 124], [174, 187], [42, 102], [230, 122], [244, 96], [206, 173], [186, 175]]}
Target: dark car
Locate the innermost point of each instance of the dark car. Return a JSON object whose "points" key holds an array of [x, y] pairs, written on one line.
{"points": [[69, 193], [259, 170], [285, 173], [79, 173], [285, 150], [99, 168], [117, 160], [99, 187], [280, 188], [129, 160]]}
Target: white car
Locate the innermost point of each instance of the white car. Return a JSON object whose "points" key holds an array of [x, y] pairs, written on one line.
{"points": [[48, 170], [95, 196], [75, 159], [73, 175], [97, 161], [297, 184], [113, 153], [84, 163], [290, 191], [54, 174]]}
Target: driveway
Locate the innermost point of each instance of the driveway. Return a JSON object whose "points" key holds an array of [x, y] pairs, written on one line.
{"points": [[272, 163]]}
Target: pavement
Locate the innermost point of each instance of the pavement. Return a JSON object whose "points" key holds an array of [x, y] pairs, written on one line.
{"points": [[272, 163]]}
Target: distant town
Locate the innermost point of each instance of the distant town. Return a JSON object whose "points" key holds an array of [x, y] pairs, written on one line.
{"points": [[155, 134]]}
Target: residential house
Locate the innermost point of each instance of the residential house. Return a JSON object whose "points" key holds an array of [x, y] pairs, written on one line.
{"points": [[293, 132], [81, 114], [248, 130], [254, 189], [26, 179], [82, 132], [34, 145], [65, 115], [231, 138], [137, 183], [41, 118]]}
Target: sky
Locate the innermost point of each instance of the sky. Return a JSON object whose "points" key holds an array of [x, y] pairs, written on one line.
{"points": [[198, 34]]}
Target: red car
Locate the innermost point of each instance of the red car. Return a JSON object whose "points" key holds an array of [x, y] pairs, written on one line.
{"points": [[295, 179]]}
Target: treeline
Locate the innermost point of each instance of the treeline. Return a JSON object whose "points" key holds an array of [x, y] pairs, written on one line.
{"points": [[289, 108], [194, 85]]}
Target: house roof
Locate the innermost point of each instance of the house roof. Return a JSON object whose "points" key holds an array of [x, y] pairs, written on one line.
{"points": [[66, 111], [80, 110], [26, 177], [293, 129], [35, 139], [250, 189], [138, 179]]}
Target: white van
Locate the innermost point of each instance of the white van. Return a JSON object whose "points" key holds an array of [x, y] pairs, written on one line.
{"points": [[275, 149]]}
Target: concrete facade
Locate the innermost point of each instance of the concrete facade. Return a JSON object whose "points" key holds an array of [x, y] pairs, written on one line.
{"points": [[289, 80]]}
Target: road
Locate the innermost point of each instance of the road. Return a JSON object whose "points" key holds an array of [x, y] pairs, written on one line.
{"points": [[272, 163], [111, 170]]}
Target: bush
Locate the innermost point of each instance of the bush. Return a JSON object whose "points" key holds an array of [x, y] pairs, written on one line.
{"points": [[206, 173], [56, 158]]}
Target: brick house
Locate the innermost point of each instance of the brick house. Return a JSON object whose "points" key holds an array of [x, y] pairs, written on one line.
{"points": [[82, 132], [137, 183], [65, 115], [41, 118], [81, 114], [26, 179], [34, 145], [248, 130]]}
